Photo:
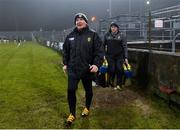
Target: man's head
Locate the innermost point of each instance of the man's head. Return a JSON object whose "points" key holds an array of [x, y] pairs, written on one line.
{"points": [[114, 27], [80, 20]]}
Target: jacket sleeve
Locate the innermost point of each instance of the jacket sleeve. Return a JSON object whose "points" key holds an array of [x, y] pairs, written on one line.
{"points": [[125, 51], [66, 51], [98, 50]]}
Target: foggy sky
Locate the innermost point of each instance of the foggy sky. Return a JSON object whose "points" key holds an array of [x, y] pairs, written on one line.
{"points": [[58, 14]]}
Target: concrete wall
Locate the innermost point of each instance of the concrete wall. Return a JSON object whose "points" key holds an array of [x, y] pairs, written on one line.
{"points": [[155, 69]]}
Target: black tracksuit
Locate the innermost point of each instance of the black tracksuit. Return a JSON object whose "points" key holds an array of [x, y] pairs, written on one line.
{"points": [[116, 52], [80, 50]]}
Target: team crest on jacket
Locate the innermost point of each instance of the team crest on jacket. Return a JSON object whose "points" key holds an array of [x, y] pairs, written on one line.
{"points": [[89, 39]]}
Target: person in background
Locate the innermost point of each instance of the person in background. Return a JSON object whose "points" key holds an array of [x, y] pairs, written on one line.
{"points": [[116, 53]]}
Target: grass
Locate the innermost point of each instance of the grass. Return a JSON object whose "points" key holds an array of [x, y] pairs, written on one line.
{"points": [[33, 95]]}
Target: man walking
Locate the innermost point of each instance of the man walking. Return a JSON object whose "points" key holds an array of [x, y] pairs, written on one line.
{"points": [[116, 53], [82, 56]]}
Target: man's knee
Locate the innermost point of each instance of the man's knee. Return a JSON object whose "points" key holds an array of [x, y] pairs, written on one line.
{"points": [[89, 93], [71, 90], [111, 69], [119, 70]]}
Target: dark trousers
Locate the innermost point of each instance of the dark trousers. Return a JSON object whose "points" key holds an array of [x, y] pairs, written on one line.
{"points": [[115, 70], [72, 87]]}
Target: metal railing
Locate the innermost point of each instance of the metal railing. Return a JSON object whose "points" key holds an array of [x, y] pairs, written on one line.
{"points": [[174, 43]]}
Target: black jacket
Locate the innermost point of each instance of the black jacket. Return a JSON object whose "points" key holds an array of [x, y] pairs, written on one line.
{"points": [[82, 49], [116, 45]]}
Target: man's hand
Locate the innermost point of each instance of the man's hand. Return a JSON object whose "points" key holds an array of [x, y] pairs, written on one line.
{"points": [[93, 68], [65, 69], [126, 61]]}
